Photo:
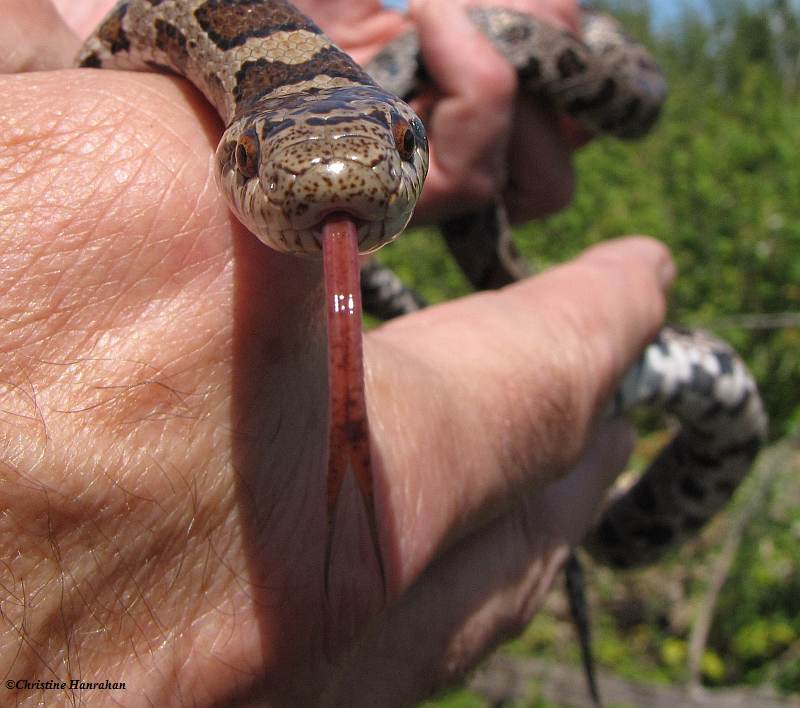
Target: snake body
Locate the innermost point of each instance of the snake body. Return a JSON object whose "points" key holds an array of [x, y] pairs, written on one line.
{"points": [[604, 80], [611, 85], [309, 137], [309, 133]]}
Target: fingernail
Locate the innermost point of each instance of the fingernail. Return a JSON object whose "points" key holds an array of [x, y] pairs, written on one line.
{"points": [[643, 248], [666, 274]]}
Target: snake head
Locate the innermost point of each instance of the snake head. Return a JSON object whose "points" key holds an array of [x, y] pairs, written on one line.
{"points": [[294, 159]]}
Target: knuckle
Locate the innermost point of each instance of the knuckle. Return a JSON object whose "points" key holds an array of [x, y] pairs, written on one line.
{"points": [[547, 193], [493, 80], [553, 402]]}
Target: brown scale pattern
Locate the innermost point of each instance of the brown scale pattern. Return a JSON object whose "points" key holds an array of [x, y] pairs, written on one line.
{"points": [[570, 64], [111, 32], [257, 78], [171, 41], [91, 61], [217, 93], [275, 127], [230, 23]]}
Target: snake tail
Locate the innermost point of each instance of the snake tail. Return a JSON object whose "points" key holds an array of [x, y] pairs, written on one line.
{"points": [[384, 295], [575, 586], [348, 428]]}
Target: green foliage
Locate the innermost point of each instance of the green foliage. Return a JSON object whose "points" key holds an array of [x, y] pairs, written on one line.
{"points": [[719, 182], [456, 699], [758, 620], [713, 667]]}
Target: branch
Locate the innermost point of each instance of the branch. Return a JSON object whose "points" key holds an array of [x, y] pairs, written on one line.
{"points": [[772, 460], [505, 679], [765, 320]]}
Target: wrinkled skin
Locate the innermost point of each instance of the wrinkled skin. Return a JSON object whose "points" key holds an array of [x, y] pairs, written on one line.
{"points": [[163, 416]]}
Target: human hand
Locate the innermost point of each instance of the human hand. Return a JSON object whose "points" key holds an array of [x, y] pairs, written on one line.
{"points": [[163, 425], [23, 44], [485, 138]]}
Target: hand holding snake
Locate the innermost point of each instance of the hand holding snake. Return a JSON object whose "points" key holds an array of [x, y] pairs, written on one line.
{"points": [[162, 389], [478, 91]]}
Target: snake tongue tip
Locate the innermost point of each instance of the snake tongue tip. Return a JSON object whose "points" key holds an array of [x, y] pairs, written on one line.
{"points": [[339, 216], [340, 228]]}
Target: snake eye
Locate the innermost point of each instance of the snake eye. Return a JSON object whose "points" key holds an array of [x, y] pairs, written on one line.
{"points": [[247, 150], [404, 138], [419, 133]]}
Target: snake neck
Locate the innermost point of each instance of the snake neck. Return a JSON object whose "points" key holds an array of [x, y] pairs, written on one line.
{"points": [[236, 54]]}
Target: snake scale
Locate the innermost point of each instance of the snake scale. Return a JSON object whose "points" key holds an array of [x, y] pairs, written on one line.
{"points": [[309, 134]]}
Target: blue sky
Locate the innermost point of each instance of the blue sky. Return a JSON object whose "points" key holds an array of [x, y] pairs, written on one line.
{"points": [[666, 10]]}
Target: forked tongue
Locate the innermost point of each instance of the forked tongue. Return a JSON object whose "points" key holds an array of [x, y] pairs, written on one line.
{"points": [[348, 429]]}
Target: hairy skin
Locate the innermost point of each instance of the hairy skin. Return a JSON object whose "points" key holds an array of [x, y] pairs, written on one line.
{"points": [[162, 427]]}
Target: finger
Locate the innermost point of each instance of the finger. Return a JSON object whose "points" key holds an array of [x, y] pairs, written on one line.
{"points": [[485, 589], [497, 393], [90, 153], [541, 179], [470, 125], [561, 13], [541, 174], [570, 506], [33, 37], [530, 158], [83, 16], [361, 29]]}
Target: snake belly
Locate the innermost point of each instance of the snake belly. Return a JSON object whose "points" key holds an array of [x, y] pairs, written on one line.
{"points": [[612, 86]]}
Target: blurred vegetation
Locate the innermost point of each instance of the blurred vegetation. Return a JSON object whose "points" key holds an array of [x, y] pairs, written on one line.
{"points": [[719, 182]]}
